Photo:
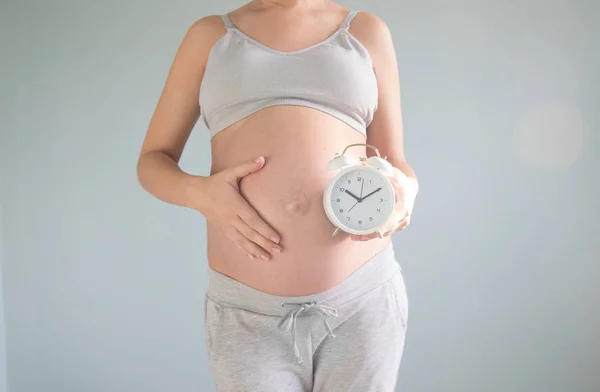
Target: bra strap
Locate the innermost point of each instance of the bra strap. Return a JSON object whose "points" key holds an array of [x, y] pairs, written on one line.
{"points": [[348, 19], [226, 21]]}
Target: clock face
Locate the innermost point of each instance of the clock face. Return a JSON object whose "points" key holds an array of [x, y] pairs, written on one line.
{"points": [[362, 199]]}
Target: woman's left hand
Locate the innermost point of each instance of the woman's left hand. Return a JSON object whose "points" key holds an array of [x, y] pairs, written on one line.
{"points": [[406, 192]]}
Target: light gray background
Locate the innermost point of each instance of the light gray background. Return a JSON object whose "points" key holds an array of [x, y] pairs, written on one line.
{"points": [[103, 284]]}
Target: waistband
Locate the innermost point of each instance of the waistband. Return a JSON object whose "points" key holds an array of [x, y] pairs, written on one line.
{"points": [[374, 272]]}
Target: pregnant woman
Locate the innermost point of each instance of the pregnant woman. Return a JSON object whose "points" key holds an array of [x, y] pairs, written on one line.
{"points": [[282, 86]]}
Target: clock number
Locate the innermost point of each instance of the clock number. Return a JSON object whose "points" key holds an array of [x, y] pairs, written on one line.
{"points": [[341, 210], [360, 222], [359, 179], [342, 189], [349, 181], [370, 219], [381, 199], [379, 210], [338, 199]]}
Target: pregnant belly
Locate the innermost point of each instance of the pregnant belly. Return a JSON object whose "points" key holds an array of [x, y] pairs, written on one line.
{"points": [[287, 192]]}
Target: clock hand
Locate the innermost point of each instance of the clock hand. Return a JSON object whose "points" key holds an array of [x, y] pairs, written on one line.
{"points": [[375, 191], [361, 188], [352, 194], [353, 205]]}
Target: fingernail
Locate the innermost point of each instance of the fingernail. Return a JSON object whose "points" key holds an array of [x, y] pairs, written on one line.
{"points": [[251, 256], [276, 249], [264, 257], [259, 159], [275, 240]]}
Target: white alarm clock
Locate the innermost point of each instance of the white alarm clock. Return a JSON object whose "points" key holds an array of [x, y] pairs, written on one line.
{"points": [[360, 199]]}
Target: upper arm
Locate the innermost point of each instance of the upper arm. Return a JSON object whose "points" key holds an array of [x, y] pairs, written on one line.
{"points": [[385, 131], [178, 107]]}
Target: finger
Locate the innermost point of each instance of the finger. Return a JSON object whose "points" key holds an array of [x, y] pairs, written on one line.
{"points": [[390, 229], [364, 237], [251, 248], [399, 226], [236, 238], [246, 168], [404, 224], [252, 219], [256, 237], [405, 215]]}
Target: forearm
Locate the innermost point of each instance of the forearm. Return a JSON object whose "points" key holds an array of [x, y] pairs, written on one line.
{"points": [[162, 177]]}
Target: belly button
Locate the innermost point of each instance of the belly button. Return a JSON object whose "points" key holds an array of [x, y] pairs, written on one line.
{"points": [[297, 206]]}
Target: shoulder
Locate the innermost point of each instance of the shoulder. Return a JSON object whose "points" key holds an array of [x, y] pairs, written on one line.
{"points": [[373, 33], [200, 36], [206, 28], [368, 21]]}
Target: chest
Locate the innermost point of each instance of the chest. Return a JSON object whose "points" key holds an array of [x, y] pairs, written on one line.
{"points": [[338, 68]]}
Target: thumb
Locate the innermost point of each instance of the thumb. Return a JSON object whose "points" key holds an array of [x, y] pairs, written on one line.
{"points": [[248, 167]]}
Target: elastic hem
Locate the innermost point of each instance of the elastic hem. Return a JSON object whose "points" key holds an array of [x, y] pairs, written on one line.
{"points": [[224, 117], [372, 274]]}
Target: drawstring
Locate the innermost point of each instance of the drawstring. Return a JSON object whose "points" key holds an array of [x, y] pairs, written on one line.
{"points": [[288, 321]]}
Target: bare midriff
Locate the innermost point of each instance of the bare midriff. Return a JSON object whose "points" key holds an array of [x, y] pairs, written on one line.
{"points": [[297, 143]]}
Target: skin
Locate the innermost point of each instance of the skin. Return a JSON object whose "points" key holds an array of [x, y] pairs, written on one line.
{"points": [[262, 201]]}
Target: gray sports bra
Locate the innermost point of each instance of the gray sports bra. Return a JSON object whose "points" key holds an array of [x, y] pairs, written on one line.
{"points": [[243, 76]]}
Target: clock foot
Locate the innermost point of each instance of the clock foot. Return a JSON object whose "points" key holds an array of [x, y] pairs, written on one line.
{"points": [[379, 234], [337, 229]]}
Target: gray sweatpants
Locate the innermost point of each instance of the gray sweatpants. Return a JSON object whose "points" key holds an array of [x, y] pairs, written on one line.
{"points": [[349, 338]]}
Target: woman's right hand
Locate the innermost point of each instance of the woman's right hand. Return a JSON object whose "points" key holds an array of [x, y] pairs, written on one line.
{"points": [[219, 200]]}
